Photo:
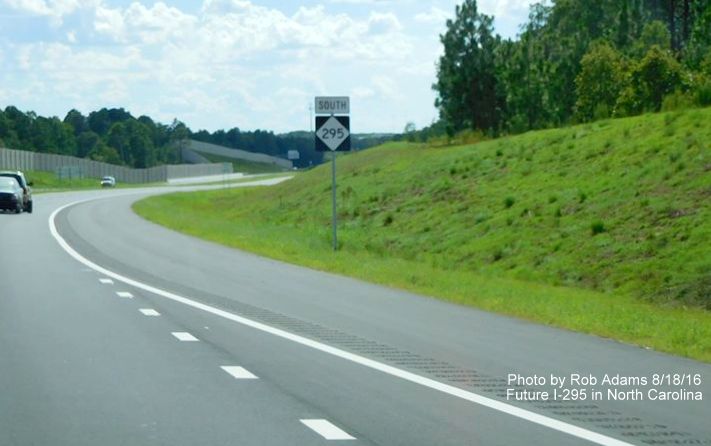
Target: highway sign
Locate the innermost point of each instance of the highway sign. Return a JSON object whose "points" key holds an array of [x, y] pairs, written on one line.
{"points": [[332, 105], [333, 133], [293, 155]]}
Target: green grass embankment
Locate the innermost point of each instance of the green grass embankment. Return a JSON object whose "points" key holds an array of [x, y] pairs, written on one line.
{"points": [[45, 182], [49, 182], [602, 228]]}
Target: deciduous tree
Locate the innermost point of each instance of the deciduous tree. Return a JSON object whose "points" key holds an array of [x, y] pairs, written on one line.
{"points": [[600, 81]]}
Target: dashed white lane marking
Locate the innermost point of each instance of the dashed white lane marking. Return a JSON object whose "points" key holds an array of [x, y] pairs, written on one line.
{"points": [[184, 337], [238, 372], [327, 430], [106, 281], [149, 312], [124, 294], [500, 406]]}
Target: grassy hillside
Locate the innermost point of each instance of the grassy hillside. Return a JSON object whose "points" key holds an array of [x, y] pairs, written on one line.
{"points": [[48, 181], [603, 228]]}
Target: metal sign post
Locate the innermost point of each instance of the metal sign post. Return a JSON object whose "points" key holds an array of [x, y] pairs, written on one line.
{"points": [[333, 134], [225, 170], [334, 214]]}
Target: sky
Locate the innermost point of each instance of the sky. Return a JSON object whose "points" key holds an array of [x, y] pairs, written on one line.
{"points": [[219, 64]]}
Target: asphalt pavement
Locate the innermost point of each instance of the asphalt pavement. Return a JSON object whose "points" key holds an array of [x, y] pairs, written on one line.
{"points": [[116, 331]]}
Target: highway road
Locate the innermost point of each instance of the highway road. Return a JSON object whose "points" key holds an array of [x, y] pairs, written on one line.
{"points": [[115, 331]]}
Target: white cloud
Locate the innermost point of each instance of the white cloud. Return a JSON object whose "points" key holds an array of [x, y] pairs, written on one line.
{"points": [[502, 9], [227, 63], [137, 23], [230, 30], [359, 93], [435, 16], [109, 21], [56, 10], [386, 86], [383, 23], [23, 54], [359, 2]]}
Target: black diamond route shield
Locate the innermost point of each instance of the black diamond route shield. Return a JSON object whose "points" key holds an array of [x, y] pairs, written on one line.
{"points": [[333, 134]]}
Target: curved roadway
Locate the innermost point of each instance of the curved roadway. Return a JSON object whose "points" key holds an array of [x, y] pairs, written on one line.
{"points": [[115, 331]]}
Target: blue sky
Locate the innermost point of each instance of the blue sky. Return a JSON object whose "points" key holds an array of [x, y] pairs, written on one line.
{"points": [[224, 63]]}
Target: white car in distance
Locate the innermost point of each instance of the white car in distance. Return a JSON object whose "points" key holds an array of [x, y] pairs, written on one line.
{"points": [[108, 181]]}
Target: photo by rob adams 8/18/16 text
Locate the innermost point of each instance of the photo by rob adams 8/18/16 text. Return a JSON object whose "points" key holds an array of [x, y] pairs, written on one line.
{"points": [[610, 387]]}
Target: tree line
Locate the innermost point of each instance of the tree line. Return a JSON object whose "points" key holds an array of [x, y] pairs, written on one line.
{"points": [[573, 61], [109, 135], [113, 135]]}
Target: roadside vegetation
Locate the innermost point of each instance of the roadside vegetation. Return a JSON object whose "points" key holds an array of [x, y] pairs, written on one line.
{"points": [[50, 182], [246, 179], [44, 182], [601, 228], [573, 61], [115, 136]]}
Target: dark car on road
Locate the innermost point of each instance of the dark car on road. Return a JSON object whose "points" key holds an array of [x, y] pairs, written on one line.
{"points": [[10, 195], [24, 185]]}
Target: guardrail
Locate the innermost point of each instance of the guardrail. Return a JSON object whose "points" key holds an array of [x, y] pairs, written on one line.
{"points": [[23, 160]]}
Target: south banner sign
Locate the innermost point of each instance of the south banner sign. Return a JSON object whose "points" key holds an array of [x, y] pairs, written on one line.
{"points": [[332, 105]]}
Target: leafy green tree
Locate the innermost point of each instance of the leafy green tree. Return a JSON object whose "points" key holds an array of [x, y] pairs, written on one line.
{"points": [[77, 121], [102, 152], [570, 28], [467, 94], [699, 43], [654, 33], [599, 82], [41, 139], [8, 136], [655, 76], [522, 73], [178, 131], [266, 142], [100, 122], [119, 140], [140, 144], [86, 143], [706, 64], [49, 135], [21, 126], [64, 137], [623, 27]]}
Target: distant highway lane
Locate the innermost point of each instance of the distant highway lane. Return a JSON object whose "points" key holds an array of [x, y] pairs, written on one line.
{"points": [[116, 331]]}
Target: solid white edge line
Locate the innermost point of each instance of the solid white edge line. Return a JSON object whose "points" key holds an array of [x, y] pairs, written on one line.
{"points": [[500, 406], [238, 372], [327, 430]]}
